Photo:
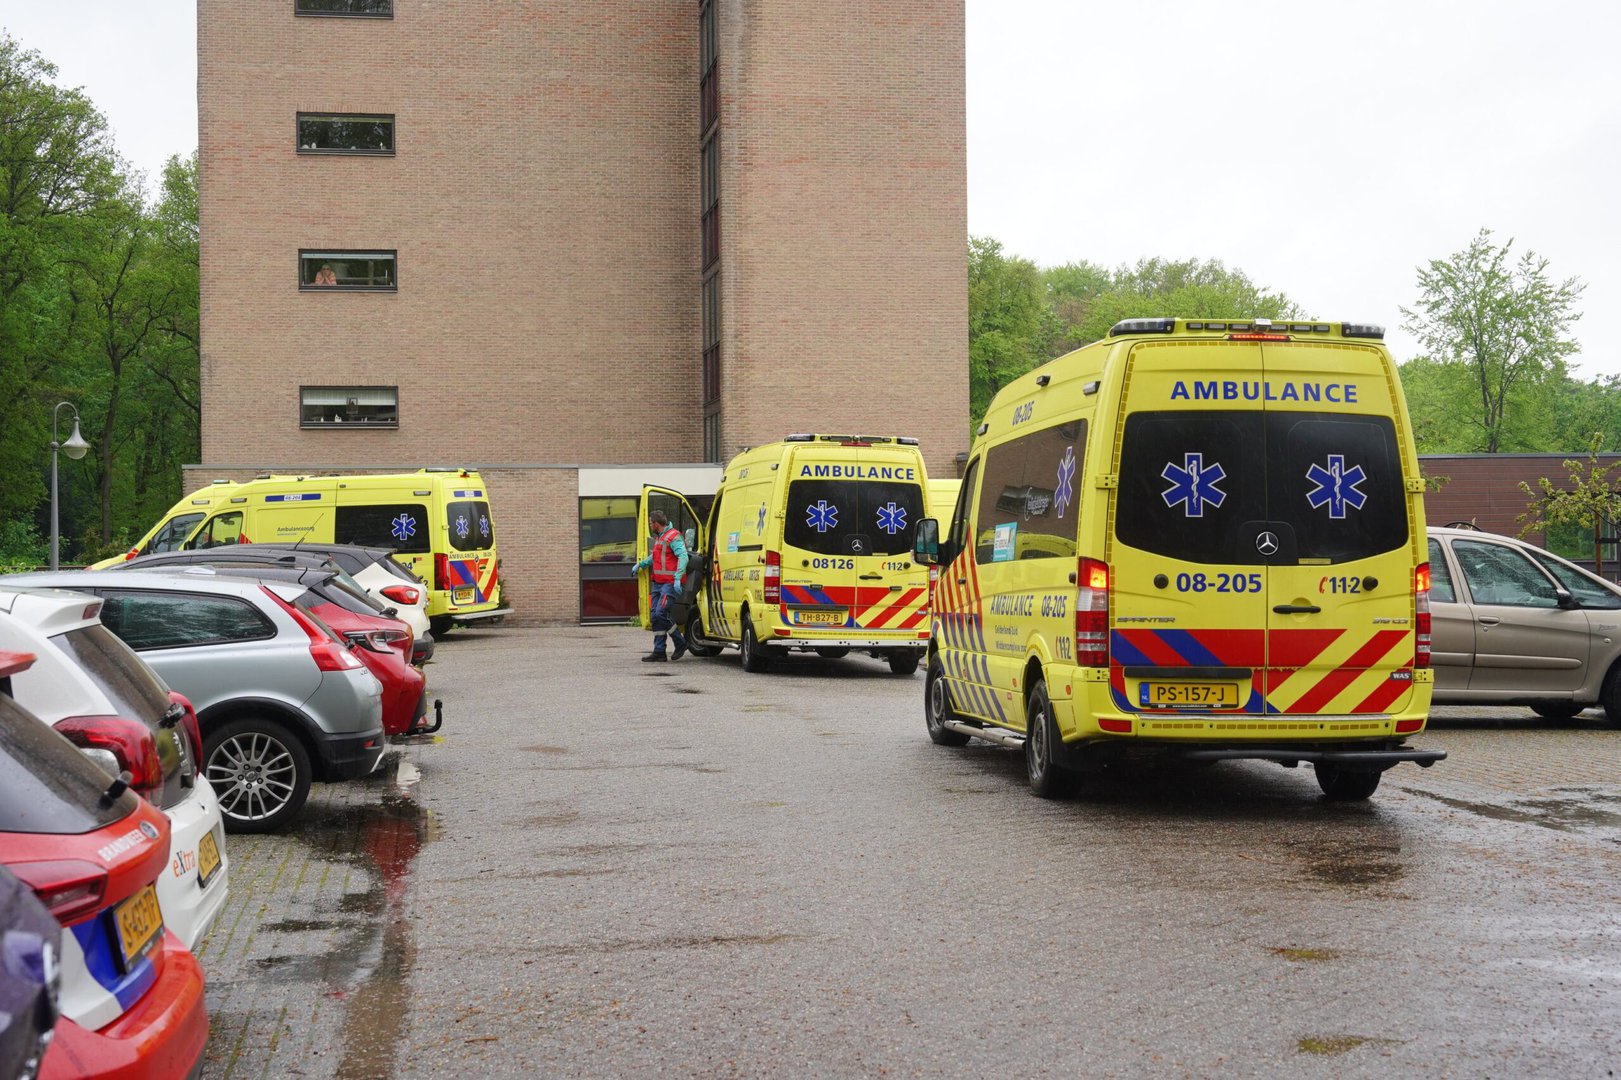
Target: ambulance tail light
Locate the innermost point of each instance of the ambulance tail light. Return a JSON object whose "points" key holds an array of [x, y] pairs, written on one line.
{"points": [[1092, 613], [441, 571], [330, 653], [1421, 616], [773, 577]]}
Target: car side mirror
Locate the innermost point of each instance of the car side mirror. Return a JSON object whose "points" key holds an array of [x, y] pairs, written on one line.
{"points": [[1567, 602], [926, 546]]}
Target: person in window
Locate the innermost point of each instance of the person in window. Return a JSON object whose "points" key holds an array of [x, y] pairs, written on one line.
{"points": [[325, 275], [668, 564]]}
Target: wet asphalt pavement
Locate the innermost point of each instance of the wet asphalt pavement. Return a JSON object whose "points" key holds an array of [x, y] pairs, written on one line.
{"points": [[609, 868]]}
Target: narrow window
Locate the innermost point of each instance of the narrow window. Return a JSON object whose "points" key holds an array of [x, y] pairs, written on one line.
{"points": [[345, 133], [369, 9], [348, 406], [346, 270]]}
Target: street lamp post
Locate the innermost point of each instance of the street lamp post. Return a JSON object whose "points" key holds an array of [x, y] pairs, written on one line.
{"points": [[74, 448]]}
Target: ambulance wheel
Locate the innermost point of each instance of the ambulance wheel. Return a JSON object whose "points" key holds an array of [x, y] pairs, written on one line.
{"points": [[937, 707], [1048, 779], [903, 663], [832, 654], [754, 657], [439, 626], [697, 644], [260, 772], [1346, 785]]}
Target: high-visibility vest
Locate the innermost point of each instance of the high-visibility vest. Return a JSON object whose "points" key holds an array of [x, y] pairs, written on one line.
{"points": [[664, 557]]}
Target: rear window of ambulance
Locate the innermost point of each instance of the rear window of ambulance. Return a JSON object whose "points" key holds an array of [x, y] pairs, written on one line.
{"points": [[1190, 483], [470, 526], [402, 527], [852, 517]]}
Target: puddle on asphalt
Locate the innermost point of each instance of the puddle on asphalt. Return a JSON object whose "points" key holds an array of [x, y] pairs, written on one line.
{"points": [[686, 690], [369, 963], [1356, 864], [1567, 810]]}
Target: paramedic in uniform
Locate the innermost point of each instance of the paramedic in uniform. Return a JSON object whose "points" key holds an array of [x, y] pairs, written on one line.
{"points": [[668, 564]]}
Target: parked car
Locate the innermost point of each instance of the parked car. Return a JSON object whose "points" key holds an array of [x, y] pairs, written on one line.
{"points": [[381, 642], [281, 698], [92, 850], [30, 944], [93, 689], [1516, 625], [371, 572]]}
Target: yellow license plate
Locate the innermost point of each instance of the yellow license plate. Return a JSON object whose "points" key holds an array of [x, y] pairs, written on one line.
{"points": [[462, 596], [140, 921], [819, 618], [1195, 695], [208, 859]]}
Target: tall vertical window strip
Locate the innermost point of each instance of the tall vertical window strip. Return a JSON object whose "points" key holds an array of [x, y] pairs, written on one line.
{"points": [[332, 133], [371, 9], [711, 337], [712, 436], [710, 223], [708, 91]]}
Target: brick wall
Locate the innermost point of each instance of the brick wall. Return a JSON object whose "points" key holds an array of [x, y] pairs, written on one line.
{"points": [[844, 221], [1485, 488]]}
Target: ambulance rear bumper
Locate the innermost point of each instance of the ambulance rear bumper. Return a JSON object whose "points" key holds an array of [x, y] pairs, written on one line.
{"points": [[471, 616], [837, 642], [1364, 759]]}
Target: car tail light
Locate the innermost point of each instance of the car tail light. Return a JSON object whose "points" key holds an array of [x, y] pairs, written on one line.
{"points": [[188, 720], [377, 640], [772, 584], [441, 571], [129, 743], [1092, 613], [407, 595], [70, 889], [330, 653], [1421, 616]]}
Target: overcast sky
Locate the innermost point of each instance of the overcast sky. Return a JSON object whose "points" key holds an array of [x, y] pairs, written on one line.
{"points": [[1327, 150]]}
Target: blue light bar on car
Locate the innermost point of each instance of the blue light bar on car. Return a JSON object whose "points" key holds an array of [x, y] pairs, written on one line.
{"points": [[1142, 326], [1362, 330]]}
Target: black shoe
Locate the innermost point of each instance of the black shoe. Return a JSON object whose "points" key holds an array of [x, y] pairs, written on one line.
{"points": [[680, 649], [654, 658]]}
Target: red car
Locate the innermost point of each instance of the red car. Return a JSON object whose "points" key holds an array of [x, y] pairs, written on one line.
{"points": [[92, 851]]}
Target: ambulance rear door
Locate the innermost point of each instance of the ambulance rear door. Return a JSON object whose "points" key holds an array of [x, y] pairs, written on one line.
{"points": [[679, 513], [1348, 526], [1188, 591], [847, 541]]}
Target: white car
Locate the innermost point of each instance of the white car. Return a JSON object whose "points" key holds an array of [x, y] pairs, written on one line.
{"points": [[94, 689]]}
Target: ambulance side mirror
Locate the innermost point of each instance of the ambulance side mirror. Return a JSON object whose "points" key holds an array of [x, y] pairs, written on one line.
{"points": [[691, 538], [926, 548]]}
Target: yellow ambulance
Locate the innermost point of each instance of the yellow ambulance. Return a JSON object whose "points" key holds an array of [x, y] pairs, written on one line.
{"points": [[1195, 538], [808, 547], [437, 521]]}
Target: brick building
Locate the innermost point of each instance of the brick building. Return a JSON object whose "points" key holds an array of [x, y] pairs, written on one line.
{"points": [[560, 243], [1484, 489]]}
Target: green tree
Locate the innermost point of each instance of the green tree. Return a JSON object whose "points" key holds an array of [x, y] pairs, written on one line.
{"points": [[1507, 324], [1590, 501], [1009, 321]]}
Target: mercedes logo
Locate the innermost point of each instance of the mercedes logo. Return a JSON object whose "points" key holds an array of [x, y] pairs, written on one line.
{"points": [[1267, 543], [855, 545]]}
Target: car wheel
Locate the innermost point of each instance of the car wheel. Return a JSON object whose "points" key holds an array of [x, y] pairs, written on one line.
{"points": [[903, 662], [1346, 785], [1048, 779], [260, 773], [937, 707], [1562, 710], [754, 657], [697, 644], [832, 654], [1610, 697]]}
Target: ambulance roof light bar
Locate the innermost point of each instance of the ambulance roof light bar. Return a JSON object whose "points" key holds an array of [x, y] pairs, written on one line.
{"points": [[1142, 326], [1363, 330]]}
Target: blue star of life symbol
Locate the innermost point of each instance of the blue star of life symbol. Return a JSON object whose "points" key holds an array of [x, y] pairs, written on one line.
{"points": [[484, 527], [1336, 486], [759, 526], [403, 527], [1064, 494], [462, 528], [1193, 485], [823, 516], [892, 518]]}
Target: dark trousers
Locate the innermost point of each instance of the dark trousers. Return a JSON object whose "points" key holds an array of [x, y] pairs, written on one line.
{"points": [[663, 595]]}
